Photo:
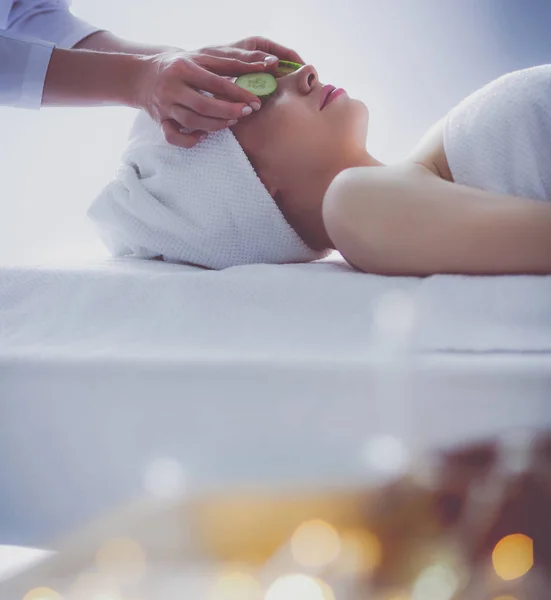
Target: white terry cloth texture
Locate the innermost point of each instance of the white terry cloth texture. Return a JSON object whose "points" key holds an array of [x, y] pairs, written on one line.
{"points": [[203, 205], [154, 310], [499, 137]]}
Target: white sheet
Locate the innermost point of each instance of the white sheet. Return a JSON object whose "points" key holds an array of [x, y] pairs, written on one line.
{"points": [[14, 559], [151, 309], [262, 373]]}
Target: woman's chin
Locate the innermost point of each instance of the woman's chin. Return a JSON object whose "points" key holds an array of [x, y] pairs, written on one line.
{"points": [[362, 108], [354, 118], [353, 108]]}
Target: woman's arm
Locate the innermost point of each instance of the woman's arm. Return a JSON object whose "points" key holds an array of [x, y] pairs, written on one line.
{"points": [[98, 77], [104, 41], [77, 78], [404, 220]]}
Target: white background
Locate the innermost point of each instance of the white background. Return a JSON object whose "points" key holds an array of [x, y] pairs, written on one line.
{"points": [[409, 60]]}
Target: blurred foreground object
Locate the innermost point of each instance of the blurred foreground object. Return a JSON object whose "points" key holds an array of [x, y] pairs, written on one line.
{"points": [[465, 523]]}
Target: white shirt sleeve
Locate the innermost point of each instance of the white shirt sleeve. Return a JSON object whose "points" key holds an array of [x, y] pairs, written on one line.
{"points": [[23, 66], [48, 20], [33, 28]]}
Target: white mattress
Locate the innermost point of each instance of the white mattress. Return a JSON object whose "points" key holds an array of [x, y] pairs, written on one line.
{"points": [[15, 559], [262, 373], [152, 310]]}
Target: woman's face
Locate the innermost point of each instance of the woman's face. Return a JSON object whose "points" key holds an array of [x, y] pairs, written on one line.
{"points": [[297, 148]]}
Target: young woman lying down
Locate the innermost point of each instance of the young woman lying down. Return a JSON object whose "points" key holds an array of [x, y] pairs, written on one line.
{"points": [[294, 180]]}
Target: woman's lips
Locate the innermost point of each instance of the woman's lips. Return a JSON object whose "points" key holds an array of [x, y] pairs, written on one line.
{"points": [[327, 89], [333, 95]]}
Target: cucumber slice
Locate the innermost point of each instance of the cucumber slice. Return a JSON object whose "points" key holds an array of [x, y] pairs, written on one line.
{"points": [[284, 67], [262, 85]]}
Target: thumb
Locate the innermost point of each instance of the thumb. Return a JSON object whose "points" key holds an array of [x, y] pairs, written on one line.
{"points": [[176, 137]]}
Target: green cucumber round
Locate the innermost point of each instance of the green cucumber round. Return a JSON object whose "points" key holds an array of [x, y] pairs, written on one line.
{"points": [[262, 85], [284, 67]]}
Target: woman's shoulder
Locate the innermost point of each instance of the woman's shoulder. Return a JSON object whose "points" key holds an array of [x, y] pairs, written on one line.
{"points": [[430, 152]]}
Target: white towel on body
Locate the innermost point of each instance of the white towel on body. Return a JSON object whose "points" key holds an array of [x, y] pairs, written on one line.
{"points": [[499, 137], [203, 205]]}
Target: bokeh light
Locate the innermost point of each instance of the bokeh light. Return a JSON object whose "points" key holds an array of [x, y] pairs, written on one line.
{"points": [[361, 552], [123, 559], [164, 478], [386, 454], [315, 543], [236, 586], [437, 582], [299, 587], [42, 593], [513, 556], [515, 450], [92, 585]]}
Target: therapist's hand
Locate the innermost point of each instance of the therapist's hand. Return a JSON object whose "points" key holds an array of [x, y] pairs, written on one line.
{"points": [[169, 84]]}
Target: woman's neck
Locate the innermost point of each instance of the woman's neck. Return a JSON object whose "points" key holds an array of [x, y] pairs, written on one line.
{"points": [[301, 203], [363, 159]]}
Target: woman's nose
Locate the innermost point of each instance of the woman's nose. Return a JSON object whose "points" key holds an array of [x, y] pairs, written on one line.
{"points": [[307, 78]]}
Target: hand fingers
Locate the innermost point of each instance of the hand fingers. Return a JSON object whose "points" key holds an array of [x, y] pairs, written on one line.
{"points": [[224, 66], [191, 120], [245, 61], [282, 52], [243, 57], [270, 47], [202, 79], [241, 54], [173, 135], [217, 107]]}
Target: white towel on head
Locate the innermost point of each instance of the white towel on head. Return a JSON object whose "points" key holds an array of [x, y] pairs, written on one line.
{"points": [[203, 205]]}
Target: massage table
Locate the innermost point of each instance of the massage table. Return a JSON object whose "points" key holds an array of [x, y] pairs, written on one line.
{"points": [[271, 374]]}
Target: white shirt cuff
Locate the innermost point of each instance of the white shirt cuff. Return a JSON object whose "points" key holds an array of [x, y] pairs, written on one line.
{"points": [[35, 75], [24, 70]]}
